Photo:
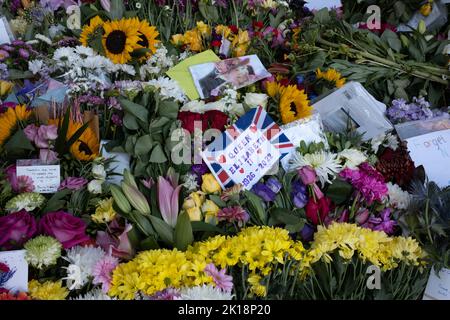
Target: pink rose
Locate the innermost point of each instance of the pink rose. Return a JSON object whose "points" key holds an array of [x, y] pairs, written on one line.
{"points": [[68, 229], [307, 174], [16, 228]]}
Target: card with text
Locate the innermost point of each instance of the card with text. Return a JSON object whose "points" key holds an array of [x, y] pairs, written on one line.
{"points": [[14, 270], [46, 178], [247, 150]]}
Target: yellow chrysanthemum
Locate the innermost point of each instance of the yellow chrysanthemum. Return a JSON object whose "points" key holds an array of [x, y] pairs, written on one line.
{"points": [[9, 120], [332, 76], [48, 290], [177, 39], [147, 37], [223, 30], [90, 29], [193, 40], [203, 28], [240, 43], [294, 104], [104, 212], [120, 39]]}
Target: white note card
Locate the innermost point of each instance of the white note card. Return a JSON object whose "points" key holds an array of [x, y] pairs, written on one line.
{"points": [[120, 162], [320, 4], [46, 178], [4, 31], [438, 287], [16, 279], [432, 150]]}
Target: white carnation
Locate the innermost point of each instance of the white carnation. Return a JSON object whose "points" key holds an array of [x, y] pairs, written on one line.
{"points": [[253, 100], [352, 158], [205, 292], [397, 197]]}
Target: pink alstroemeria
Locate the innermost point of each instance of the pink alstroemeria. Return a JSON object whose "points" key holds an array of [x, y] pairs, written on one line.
{"points": [[168, 195]]}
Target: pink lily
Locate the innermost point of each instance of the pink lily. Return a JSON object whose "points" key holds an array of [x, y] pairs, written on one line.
{"points": [[168, 195]]}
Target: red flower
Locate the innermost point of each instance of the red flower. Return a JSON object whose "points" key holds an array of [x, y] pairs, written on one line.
{"points": [[216, 119], [284, 82], [216, 43], [191, 119], [258, 24], [233, 28], [316, 212]]}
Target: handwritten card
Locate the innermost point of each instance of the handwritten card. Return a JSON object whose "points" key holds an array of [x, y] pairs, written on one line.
{"points": [[438, 287], [247, 150], [16, 278], [46, 178], [432, 150]]}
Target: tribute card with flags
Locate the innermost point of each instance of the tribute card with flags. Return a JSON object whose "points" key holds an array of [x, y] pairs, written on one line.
{"points": [[247, 150]]}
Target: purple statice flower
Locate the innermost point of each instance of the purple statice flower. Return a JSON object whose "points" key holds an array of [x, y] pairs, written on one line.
{"points": [[264, 192], [73, 183], [382, 223], [401, 111], [166, 294], [113, 103], [117, 119], [299, 194], [92, 100], [15, 5], [273, 184], [233, 214], [220, 278], [368, 181]]}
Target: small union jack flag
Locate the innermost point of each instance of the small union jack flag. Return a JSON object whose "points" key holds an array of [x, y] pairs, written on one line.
{"points": [[256, 120]]}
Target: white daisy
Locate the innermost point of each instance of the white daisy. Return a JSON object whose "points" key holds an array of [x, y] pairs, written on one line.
{"points": [[205, 292], [352, 158], [325, 163], [81, 264], [168, 88], [398, 198], [94, 294], [35, 66], [190, 182]]}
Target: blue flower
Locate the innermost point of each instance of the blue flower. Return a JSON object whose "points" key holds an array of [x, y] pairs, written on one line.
{"points": [[299, 195], [264, 192]]}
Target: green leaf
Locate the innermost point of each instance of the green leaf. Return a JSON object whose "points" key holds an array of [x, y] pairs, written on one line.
{"points": [[130, 122], [339, 191], [149, 243], [117, 9], [392, 39], [135, 109], [158, 155], [159, 123], [216, 199], [164, 231], [143, 145], [56, 202], [142, 223], [256, 204], [18, 142], [139, 53], [322, 16], [285, 216], [168, 109], [198, 226], [183, 235], [15, 74], [294, 228]]}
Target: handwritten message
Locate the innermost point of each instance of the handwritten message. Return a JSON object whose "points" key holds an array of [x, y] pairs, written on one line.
{"points": [[432, 150], [249, 157], [438, 287], [46, 178], [18, 270]]}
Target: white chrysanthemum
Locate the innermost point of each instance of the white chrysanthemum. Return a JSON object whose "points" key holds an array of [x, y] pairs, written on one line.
{"points": [[81, 264], [94, 294], [43, 38], [168, 88], [42, 251], [66, 56], [325, 163], [85, 51], [35, 66], [194, 106], [385, 140], [205, 292], [397, 197], [352, 158], [157, 64], [28, 201], [190, 182]]}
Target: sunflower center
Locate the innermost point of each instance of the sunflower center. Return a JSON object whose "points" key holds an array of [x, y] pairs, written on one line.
{"points": [[293, 108], [144, 41], [83, 147], [115, 41]]}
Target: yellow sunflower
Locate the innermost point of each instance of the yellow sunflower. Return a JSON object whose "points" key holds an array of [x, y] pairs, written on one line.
{"points": [[120, 39], [90, 29], [294, 104], [147, 37], [9, 119], [87, 147], [332, 76]]}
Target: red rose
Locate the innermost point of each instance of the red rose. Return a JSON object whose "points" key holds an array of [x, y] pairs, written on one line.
{"points": [[216, 43], [216, 119], [68, 229], [188, 120], [316, 212], [233, 28], [258, 24], [16, 228]]}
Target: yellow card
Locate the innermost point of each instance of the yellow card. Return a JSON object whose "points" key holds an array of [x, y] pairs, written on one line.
{"points": [[181, 74]]}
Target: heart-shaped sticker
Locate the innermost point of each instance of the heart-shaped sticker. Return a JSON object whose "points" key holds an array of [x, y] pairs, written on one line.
{"points": [[259, 151], [222, 159], [241, 170], [253, 128]]}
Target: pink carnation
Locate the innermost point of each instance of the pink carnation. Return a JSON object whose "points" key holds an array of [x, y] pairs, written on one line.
{"points": [[103, 271], [221, 279], [233, 214]]}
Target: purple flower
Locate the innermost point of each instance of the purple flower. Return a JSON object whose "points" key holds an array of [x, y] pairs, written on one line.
{"points": [[264, 192], [233, 214], [199, 170], [116, 119], [73, 183], [273, 184], [24, 53], [48, 156], [369, 182], [299, 194], [168, 195], [307, 233], [166, 294], [382, 223], [102, 271], [220, 278], [401, 111]]}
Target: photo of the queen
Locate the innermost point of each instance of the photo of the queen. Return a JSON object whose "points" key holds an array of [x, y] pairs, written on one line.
{"points": [[211, 79]]}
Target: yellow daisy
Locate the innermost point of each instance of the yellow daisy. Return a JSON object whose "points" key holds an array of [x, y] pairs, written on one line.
{"points": [[120, 39], [331, 75]]}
